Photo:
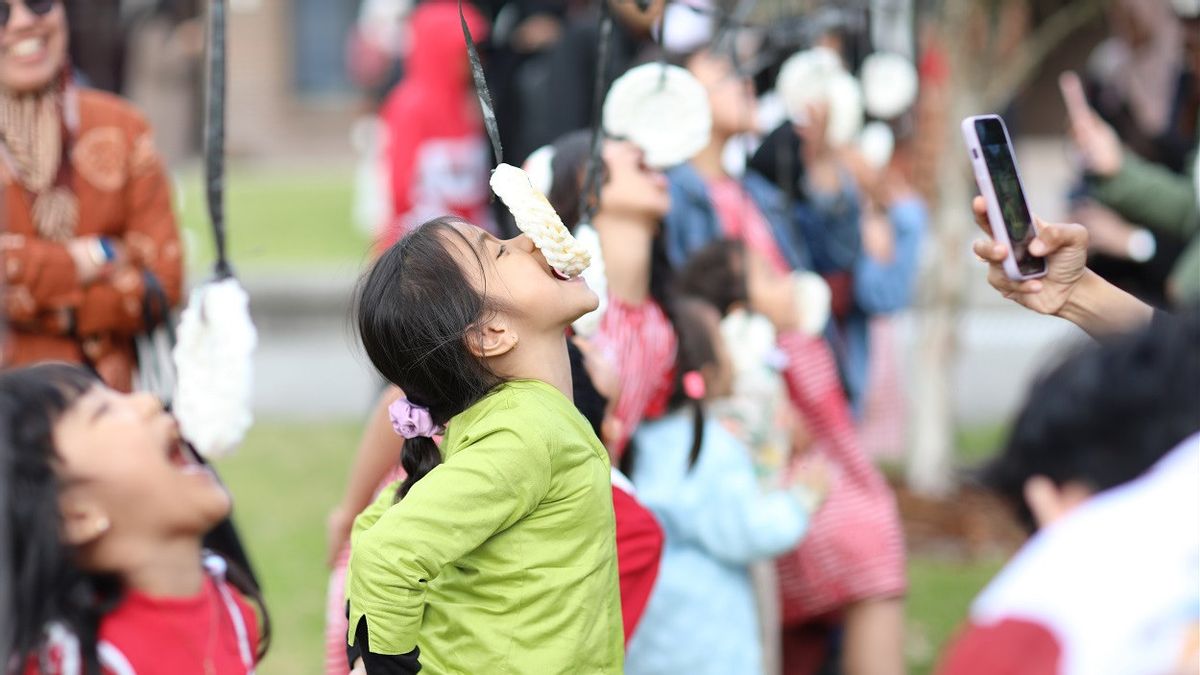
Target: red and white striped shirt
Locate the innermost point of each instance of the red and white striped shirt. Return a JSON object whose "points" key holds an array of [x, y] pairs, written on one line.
{"points": [[854, 549], [640, 342]]}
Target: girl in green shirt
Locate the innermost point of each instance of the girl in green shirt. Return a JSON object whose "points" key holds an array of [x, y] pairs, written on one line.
{"points": [[496, 554]]}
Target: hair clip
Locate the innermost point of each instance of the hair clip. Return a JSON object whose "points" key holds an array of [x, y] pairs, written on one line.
{"points": [[693, 385], [411, 420]]}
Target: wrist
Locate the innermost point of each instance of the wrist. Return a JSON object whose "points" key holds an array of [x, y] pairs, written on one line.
{"points": [[1100, 308], [1081, 301]]}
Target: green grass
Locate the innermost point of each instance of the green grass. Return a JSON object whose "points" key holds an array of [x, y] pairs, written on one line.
{"points": [[275, 218], [940, 591], [286, 478], [976, 444]]}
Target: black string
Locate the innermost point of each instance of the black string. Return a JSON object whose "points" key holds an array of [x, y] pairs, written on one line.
{"points": [[591, 182], [214, 136], [481, 89]]}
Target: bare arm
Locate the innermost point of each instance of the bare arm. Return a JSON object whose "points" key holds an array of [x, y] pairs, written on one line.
{"points": [[1069, 290], [378, 451]]}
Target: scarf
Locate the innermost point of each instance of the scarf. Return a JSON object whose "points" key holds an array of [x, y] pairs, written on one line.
{"points": [[35, 142]]}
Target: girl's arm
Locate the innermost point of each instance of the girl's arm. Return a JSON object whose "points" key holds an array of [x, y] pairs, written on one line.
{"points": [[378, 452], [880, 286], [480, 490]]}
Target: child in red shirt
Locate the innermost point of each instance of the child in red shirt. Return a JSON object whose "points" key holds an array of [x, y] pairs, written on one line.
{"points": [[107, 508]]}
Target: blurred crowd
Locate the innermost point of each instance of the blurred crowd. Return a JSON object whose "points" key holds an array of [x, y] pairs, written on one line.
{"points": [[738, 368]]}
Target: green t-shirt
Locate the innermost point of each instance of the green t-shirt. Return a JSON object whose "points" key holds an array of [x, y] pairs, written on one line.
{"points": [[503, 558]]}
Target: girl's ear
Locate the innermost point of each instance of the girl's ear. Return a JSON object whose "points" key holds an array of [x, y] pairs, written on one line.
{"points": [[1049, 502], [492, 339], [83, 522]]}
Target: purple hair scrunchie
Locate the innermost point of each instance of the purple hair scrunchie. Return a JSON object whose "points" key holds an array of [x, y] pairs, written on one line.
{"points": [[411, 420]]}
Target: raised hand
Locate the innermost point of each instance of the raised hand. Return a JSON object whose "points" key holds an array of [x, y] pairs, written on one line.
{"points": [[1063, 245], [1097, 142]]}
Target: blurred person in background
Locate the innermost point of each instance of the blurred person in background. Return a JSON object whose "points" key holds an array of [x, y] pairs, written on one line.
{"points": [[893, 227], [519, 61], [709, 204], [1109, 583], [636, 333], [1135, 201], [165, 70], [374, 60], [90, 248], [842, 588], [1138, 191], [561, 100], [1142, 83], [97, 43], [434, 147], [701, 481]]}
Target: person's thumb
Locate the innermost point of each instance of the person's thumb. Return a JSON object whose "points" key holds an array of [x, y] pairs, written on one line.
{"points": [[1054, 237]]}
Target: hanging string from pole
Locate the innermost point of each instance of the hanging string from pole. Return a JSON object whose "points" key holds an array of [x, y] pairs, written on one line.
{"points": [[481, 89], [214, 136], [590, 202]]}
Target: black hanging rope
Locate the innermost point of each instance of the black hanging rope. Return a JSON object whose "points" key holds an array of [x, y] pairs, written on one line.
{"points": [[214, 135], [591, 182], [481, 89]]}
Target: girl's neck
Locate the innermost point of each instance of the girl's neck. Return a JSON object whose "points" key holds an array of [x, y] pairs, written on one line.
{"points": [[170, 569], [540, 357], [627, 245], [708, 163]]}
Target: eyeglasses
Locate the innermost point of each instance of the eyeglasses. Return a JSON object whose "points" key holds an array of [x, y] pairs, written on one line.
{"points": [[38, 7]]}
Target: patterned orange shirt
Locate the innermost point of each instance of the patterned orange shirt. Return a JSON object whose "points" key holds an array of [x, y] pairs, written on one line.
{"points": [[123, 193]]}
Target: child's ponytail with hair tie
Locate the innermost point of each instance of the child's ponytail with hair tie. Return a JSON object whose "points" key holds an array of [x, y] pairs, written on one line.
{"points": [[420, 454], [412, 421]]}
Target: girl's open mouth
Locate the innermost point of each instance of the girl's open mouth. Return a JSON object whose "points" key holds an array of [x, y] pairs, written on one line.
{"points": [[179, 455], [559, 275]]}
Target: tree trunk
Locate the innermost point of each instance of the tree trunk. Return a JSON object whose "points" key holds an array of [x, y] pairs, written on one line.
{"points": [[931, 455], [930, 466]]}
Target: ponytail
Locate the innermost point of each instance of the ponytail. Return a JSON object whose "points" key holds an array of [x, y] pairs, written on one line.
{"points": [[419, 457], [697, 432]]}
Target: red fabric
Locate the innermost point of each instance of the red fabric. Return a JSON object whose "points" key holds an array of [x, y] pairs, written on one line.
{"points": [[156, 636], [1010, 647], [639, 551], [741, 219], [435, 151], [640, 342], [854, 549], [884, 429]]}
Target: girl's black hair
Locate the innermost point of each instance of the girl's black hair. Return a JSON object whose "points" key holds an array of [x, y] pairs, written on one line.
{"points": [[45, 585], [415, 309], [696, 349], [717, 274], [567, 168], [1106, 413]]}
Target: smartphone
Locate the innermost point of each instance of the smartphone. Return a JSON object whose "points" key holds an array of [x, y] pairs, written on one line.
{"points": [[1000, 184]]}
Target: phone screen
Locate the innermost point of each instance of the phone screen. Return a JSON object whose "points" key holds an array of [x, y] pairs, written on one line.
{"points": [[1007, 185]]}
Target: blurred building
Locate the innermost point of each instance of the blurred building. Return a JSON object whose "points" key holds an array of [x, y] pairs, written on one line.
{"points": [[289, 94]]}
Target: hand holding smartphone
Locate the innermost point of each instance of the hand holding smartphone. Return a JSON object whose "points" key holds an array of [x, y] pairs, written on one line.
{"points": [[995, 167]]}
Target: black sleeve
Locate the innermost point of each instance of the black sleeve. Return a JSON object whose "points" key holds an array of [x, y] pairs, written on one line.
{"points": [[1161, 320], [380, 664]]}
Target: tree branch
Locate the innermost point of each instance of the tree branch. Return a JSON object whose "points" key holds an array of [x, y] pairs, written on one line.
{"points": [[1010, 79]]}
